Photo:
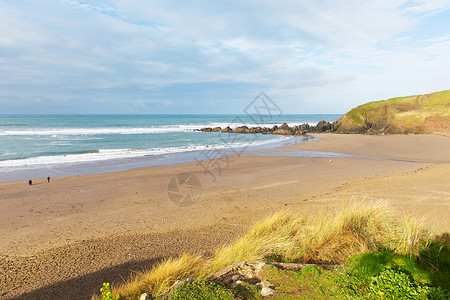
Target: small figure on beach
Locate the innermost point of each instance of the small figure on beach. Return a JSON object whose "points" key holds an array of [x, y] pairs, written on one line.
{"points": [[48, 179], [30, 182]]}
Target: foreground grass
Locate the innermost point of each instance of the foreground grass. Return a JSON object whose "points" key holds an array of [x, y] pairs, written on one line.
{"points": [[331, 237]]}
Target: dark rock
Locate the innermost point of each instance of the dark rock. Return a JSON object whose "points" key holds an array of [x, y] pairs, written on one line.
{"points": [[320, 126], [334, 126], [323, 126], [283, 131], [285, 127], [241, 129], [300, 132], [255, 130]]}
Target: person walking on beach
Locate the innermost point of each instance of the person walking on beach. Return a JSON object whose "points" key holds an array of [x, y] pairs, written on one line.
{"points": [[30, 182], [48, 179]]}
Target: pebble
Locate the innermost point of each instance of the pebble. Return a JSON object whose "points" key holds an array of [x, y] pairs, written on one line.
{"points": [[265, 283], [266, 291], [235, 284], [144, 296]]}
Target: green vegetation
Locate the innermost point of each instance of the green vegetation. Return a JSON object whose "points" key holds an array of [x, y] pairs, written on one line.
{"points": [[107, 294], [383, 275], [202, 290], [395, 283], [413, 114], [375, 275], [376, 248]]}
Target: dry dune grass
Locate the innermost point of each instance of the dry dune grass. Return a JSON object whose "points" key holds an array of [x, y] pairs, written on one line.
{"points": [[161, 277], [329, 237], [410, 236]]}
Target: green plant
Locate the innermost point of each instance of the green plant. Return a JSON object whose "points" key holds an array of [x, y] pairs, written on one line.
{"points": [[202, 290], [437, 258], [395, 283], [107, 294], [350, 287], [247, 291], [312, 270], [367, 265], [385, 275]]}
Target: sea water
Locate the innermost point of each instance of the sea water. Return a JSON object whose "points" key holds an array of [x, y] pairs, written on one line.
{"points": [[33, 145]]}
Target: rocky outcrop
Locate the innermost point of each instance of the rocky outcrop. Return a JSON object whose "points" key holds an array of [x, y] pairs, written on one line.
{"points": [[284, 129], [414, 114], [428, 113]]}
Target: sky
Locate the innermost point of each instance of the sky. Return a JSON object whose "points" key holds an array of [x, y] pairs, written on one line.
{"points": [[195, 57]]}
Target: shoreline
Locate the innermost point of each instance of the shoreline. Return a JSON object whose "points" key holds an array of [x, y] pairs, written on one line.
{"points": [[130, 163], [268, 148], [68, 145], [84, 224]]}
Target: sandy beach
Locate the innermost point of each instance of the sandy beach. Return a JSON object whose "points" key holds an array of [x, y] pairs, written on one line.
{"points": [[63, 239]]}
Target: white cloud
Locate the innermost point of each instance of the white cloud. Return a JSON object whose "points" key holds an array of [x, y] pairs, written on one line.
{"points": [[428, 7], [306, 53]]}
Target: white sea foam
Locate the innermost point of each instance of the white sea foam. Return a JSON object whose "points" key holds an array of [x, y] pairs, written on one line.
{"points": [[7, 153], [110, 154], [55, 132], [95, 131]]}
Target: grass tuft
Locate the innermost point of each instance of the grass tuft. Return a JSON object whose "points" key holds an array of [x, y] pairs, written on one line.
{"points": [[329, 237], [161, 277], [411, 237]]}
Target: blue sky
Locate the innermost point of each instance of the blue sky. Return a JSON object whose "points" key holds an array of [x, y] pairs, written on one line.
{"points": [[154, 56]]}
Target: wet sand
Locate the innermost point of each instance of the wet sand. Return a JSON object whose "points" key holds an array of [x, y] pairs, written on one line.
{"points": [[63, 239]]}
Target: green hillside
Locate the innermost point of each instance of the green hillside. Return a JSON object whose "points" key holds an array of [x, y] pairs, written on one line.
{"points": [[428, 113]]}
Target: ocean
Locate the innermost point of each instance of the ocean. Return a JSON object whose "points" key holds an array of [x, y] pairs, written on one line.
{"points": [[57, 145]]}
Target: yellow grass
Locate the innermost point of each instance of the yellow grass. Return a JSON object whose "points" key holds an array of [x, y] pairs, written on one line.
{"points": [[273, 236], [408, 117], [411, 237], [162, 276], [329, 237], [333, 237]]}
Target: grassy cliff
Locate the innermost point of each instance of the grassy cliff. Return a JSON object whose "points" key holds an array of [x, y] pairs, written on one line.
{"points": [[428, 113]]}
